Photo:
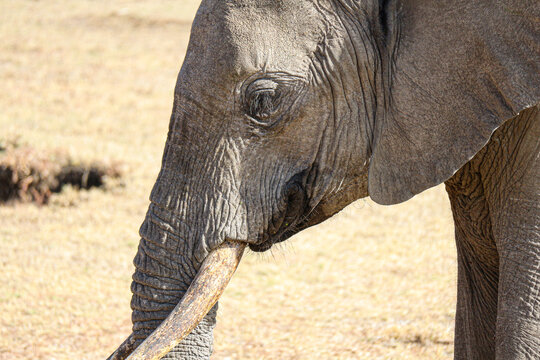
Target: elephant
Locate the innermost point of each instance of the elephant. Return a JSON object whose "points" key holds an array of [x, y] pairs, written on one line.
{"points": [[286, 111]]}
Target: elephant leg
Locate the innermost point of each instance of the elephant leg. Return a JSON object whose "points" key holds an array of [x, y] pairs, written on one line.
{"points": [[512, 186], [478, 273], [495, 201]]}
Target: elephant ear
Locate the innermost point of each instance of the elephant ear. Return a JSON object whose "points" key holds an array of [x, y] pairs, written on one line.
{"points": [[459, 69]]}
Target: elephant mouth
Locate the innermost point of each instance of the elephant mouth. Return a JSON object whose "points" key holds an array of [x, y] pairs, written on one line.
{"points": [[290, 220]]}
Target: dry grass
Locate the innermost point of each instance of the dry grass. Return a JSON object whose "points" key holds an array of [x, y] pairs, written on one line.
{"points": [[96, 79]]}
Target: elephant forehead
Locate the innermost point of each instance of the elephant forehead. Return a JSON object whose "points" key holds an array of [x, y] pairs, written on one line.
{"points": [[250, 35]]}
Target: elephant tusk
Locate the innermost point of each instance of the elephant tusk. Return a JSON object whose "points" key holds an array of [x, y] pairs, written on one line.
{"points": [[203, 293], [124, 350]]}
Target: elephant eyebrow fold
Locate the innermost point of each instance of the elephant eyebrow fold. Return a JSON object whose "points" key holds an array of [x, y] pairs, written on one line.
{"points": [[383, 17]]}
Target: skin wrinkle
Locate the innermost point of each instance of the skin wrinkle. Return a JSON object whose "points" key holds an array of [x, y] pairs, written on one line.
{"points": [[261, 206], [183, 184], [317, 76], [336, 116], [315, 212], [148, 324], [168, 222], [313, 172], [513, 174], [276, 206], [363, 41], [515, 166], [143, 305], [162, 224], [158, 283], [146, 247], [321, 154], [365, 37], [334, 96], [165, 297], [274, 202], [149, 310], [388, 69], [267, 204], [142, 315], [179, 226], [324, 36], [475, 300], [344, 91], [163, 266], [167, 244]]}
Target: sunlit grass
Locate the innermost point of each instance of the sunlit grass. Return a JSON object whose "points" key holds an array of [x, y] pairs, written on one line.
{"points": [[95, 79]]}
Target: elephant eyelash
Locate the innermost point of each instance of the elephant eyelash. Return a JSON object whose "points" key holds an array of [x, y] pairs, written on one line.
{"points": [[262, 104]]}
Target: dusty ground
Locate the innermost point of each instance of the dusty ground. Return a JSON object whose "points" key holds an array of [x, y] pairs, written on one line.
{"points": [[95, 79]]}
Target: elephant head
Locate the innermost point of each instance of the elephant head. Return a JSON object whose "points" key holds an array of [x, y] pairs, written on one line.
{"points": [[286, 111]]}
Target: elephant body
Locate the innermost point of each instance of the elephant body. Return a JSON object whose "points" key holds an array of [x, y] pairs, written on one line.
{"points": [[286, 111]]}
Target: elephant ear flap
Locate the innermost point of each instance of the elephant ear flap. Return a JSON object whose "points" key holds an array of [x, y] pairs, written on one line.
{"points": [[458, 70]]}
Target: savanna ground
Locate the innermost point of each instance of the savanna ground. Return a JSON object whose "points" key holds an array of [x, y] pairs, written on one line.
{"points": [[95, 79]]}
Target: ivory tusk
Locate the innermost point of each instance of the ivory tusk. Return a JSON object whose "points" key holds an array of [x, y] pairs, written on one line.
{"points": [[123, 350], [203, 293]]}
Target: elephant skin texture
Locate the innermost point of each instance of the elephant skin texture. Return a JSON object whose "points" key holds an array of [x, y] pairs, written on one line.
{"points": [[286, 111]]}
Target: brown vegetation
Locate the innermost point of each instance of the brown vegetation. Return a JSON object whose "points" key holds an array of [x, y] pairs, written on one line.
{"points": [[30, 175]]}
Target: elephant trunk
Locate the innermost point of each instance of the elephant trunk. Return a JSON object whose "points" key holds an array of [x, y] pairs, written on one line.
{"points": [[166, 267], [194, 209], [210, 282]]}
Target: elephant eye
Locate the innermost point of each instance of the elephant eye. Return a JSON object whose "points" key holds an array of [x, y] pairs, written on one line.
{"points": [[261, 104], [262, 101]]}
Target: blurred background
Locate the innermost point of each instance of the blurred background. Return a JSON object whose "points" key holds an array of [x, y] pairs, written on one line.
{"points": [[86, 90]]}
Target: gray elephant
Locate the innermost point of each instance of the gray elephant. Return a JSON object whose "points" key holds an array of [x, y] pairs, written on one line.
{"points": [[286, 111]]}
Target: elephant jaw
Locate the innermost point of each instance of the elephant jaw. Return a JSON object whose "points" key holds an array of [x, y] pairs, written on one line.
{"points": [[215, 273]]}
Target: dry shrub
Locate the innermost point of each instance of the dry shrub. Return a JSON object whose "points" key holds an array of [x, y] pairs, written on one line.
{"points": [[27, 174]]}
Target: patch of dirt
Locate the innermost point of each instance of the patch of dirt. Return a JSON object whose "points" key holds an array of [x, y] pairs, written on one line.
{"points": [[27, 174]]}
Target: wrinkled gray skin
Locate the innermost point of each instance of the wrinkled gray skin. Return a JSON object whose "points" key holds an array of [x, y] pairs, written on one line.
{"points": [[285, 111]]}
